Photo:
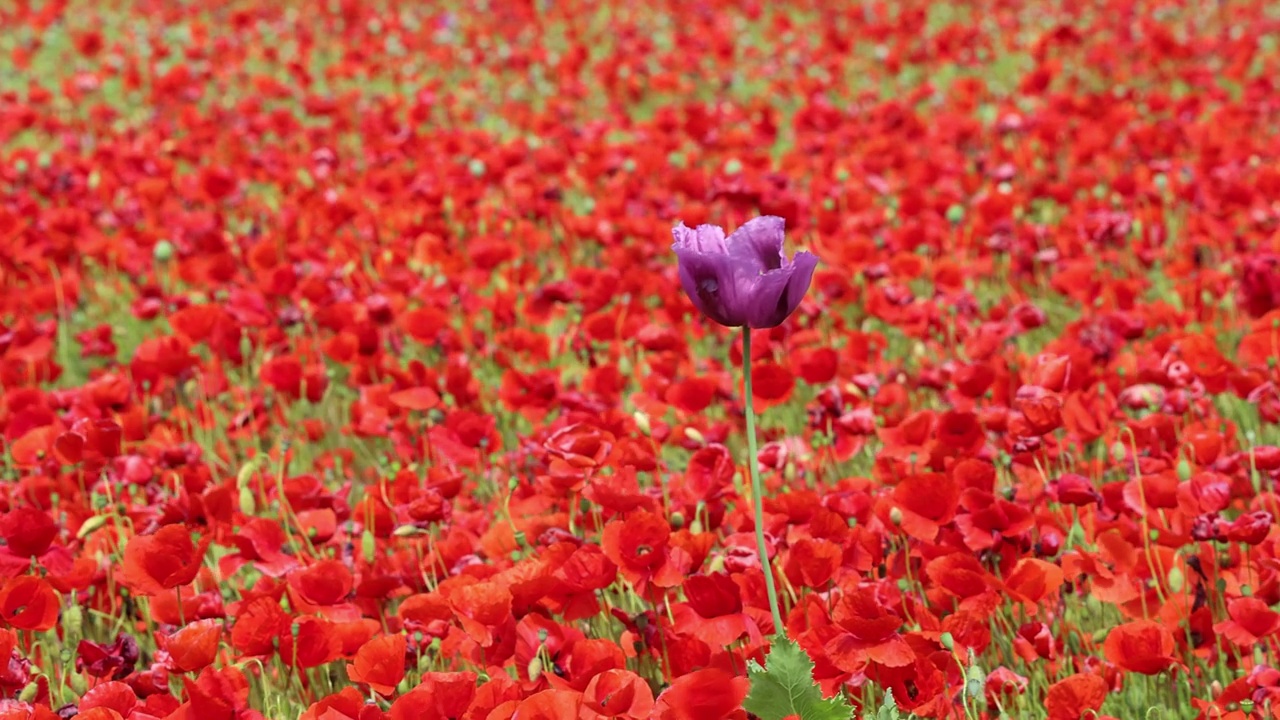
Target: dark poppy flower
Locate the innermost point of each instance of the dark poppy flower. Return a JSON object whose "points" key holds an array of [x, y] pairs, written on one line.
{"points": [[745, 279], [111, 662]]}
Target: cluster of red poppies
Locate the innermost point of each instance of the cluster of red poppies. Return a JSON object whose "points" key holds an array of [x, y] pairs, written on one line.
{"points": [[347, 372]]}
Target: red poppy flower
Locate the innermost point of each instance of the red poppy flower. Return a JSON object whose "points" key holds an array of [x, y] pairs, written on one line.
{"points": [[618, 693], [440, 696], [322, 583], [346, 704], [927, 502], [1076, 697], [709, 694], [29, 603], [115, 696], [310, 642], [380, 663], [812, 563], [866, 631], [1141, 646], [164, 560], [1251, 621], [639, 546], [714, 612], [481, 609], [195, 646], [28, 531]]}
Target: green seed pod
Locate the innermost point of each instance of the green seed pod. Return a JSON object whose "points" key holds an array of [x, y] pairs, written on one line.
{"points": [[163, 251], [368, 545], [677, 520], [73, 622]]}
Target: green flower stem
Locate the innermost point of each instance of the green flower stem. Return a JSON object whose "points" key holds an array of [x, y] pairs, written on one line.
{"points": [[757, 490]]}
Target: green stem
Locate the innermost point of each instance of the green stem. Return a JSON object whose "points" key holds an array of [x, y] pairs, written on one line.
{"points": [[757, 490]]}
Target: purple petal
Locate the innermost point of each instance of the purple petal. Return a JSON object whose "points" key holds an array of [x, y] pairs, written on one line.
{"points": [[703, 239], [714, 284], [778, 293], [759, 242]]}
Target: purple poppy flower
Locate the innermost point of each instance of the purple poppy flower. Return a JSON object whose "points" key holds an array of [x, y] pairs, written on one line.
{"points": [[745, 279]]}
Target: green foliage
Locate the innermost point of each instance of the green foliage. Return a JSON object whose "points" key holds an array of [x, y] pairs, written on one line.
{"points": [[785, 687], [888, 710]]}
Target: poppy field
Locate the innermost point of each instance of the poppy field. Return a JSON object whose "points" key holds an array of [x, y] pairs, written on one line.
{"points": [[559, 360]]}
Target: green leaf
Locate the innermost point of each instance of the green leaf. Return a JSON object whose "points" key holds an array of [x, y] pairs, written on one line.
{"points": [[888, 710], [785, 687]]}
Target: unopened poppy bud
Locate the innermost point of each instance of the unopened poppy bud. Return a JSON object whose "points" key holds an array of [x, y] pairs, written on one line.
{"points": [[30, 692], [73, 622], [521, 539], [1177, 580], [716, 565], [90, 525], [976, 680], [1184, 470], [534, 668], [368, 545], [408, 531], [1117, 451], [948, 641], [695, 435], [245, 474], [696, 526], [895, 517], [77, 683], [642, 422], [248, 505]]}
